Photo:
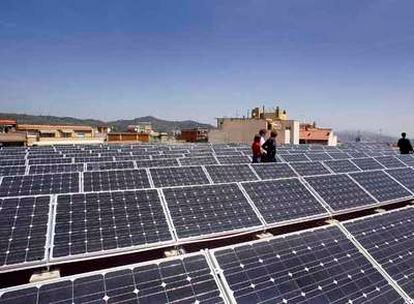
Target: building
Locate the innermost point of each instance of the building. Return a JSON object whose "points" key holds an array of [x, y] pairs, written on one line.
{"points": [[243, 130], [13, 139], [194, 135], [141, 127], [58, 134], [127, 137], [7, 125], [310, 134]]}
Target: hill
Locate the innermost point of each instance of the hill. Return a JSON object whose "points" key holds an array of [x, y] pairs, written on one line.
{"points": [[118, 125], [349, 136]]}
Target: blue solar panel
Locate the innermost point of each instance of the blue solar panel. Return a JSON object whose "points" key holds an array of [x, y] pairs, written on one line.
{"points": [[273, 170], [342, 166], [309, 168], [404, 175], [231, 173]]}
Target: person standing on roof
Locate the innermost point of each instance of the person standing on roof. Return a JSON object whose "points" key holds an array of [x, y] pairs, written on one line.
{"points": [[256, 149], [269, 148], [404, 144]]}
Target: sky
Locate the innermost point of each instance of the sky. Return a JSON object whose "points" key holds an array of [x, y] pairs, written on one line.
{"points": [[347, 64]]}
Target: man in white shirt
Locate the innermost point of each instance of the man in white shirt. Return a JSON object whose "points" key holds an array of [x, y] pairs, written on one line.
{"points": [[262, 134]]}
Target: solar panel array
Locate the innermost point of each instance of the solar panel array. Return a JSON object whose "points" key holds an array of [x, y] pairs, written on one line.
{"points": [[68, 203]]}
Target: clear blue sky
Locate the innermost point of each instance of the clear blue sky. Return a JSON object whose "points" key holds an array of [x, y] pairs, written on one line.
{"points": [[347, 64]]}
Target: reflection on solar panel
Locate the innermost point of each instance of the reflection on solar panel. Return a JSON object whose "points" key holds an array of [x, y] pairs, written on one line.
{"points": [[273, 170], [283, 200], [185, 279], [320, 266], [237, 159], [109, 165], [389, 238], [318, 156], [12, 170], [206, 210], [191, 161], [390, 162], [39, 184], [157, 163], [404, 175], [93, 222], [23, 229], [309, 168], [55, 168], [231, 173], [406, 159], [367, 163], [380, 185], [115, 180], [299, 157], [340, 192], [342, 166], [178, 176]]}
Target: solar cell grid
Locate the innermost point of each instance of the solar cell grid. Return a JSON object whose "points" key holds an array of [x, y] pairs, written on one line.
{"points": [[389, 239], [380, 185], [340, 192], [367, 163], [338, 155], [156, 163], [283, 200], [186, 279], [109, 165], [12, 170], [45, 161], [404, 175], [55, 168], [390, 162], [309, 168], [407, 159], [236, 159], [23, 229], [273, 170], [341, 166], [297, 157], [97, 222], [39, 184], [93, 159], [178, 176], [191, 161], [12, 162], [312, 267], [318, 156], [230, 173], [207, 210], [115, 180]]}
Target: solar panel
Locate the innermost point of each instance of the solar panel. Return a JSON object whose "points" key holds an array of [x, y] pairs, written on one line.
{"points": [[46, 161], [380, 185], [309, 168], [299, 157], [231, 173], [406, 159], [191, 161], [357, 154], [318, 156], [208, 210], [12, 170], [185, 279], [341, 166], [93, 159], [115, 180], [12, 162], [367, 163], [340, 192], [178, 176], [273, 170], [312, 267], [98, 222], [404, 175], [55, 168], [166, 156], [23, 230], [237, 159], [338, 155], [283, 200], [39, 184], [110, 165], [388, 237], [157, 163], [390, 162]]}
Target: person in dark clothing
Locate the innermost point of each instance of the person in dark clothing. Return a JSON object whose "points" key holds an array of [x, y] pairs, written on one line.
{"points": [[404, 144], [269, 148], [256, 149]]}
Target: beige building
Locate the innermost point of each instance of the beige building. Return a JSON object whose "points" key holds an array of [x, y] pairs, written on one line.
{"points": [[242, 130]]}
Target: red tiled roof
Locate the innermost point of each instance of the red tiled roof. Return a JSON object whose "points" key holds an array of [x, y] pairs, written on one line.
{"points": [[314, 134]]}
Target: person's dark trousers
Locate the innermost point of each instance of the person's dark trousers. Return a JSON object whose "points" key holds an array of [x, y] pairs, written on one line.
{"points": [[256, 159]]}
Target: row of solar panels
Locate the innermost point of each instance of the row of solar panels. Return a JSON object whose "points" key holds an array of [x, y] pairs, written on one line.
{"points": [[79, 225], [367, 260], [337, 166]]}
